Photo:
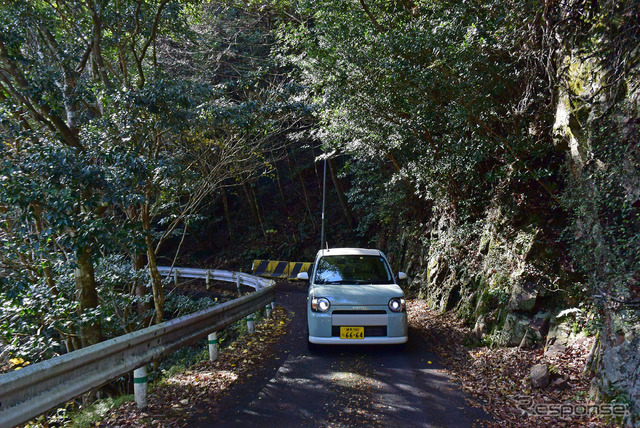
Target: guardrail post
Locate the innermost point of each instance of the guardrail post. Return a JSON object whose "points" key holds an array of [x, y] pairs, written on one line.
{"points": [[251, 327], [270, 308], [213, 346], [175, 277], [140, 386], [208, 279], [238, 284]]}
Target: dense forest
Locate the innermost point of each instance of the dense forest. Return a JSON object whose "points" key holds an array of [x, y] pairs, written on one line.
{"points": [[490, 148]]}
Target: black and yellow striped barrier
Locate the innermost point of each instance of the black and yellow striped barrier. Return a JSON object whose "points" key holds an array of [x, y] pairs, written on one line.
{"points": [[278, 269]]}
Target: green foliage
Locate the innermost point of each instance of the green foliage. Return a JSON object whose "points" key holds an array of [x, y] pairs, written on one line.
{"points": [[381, 190], [179, 305], [31, 322], [82, 112], [601, 196], [35, 323], [107, 140], [434, 103], [119, 303], [179, 361], [95, 413], [604, 232]]}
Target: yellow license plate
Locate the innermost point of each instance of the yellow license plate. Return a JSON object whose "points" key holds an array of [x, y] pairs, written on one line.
{"points": [[351, 332]]}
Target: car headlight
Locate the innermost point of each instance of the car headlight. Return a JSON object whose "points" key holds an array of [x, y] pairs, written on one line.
{"points": [[320, 304], [397, 304]]}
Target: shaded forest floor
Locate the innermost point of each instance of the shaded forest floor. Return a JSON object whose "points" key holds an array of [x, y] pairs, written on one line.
{"points": [[497, 379]]}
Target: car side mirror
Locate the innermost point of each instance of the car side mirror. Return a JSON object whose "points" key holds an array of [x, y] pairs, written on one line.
{"points": [[402, 276], [304, 276]]}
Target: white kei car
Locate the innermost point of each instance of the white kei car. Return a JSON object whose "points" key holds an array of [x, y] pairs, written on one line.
{"points": [[354, 299]]}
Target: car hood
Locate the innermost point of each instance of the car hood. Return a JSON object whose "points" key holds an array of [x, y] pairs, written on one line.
{"points": [[365, 294]]}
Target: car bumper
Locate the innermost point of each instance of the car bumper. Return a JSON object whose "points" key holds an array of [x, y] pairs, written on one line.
{"points": [[398, 340], [380, 325]]}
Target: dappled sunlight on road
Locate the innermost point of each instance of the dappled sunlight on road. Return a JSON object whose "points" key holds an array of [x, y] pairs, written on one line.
{"points": [[191, 378], [363, 385]]}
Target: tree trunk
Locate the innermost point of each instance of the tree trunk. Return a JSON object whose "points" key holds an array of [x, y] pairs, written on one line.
{"points": [[156, 282], [306, 200], [343, 200], [72, 343], [227, 215], [48, 275], [304, 189], [275, 167], [255, 202], [253, 205], [315, 168], [156, 279], [87, 296], [141, 289]]}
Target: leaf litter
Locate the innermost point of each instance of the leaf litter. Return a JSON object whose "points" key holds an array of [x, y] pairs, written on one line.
{"points": [[178, 399], [497, 379]]}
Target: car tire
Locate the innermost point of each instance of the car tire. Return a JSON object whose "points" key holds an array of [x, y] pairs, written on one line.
{"points": [[311, 347]]}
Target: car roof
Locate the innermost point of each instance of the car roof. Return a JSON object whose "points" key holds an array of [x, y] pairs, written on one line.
{"points": [[349, 252]]}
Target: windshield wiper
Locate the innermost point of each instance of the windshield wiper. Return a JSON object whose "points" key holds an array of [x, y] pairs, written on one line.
{"points": [[345, 281]]}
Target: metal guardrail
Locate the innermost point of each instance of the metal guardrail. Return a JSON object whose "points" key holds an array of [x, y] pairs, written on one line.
{"points": [[31, 391], [216, 275]]}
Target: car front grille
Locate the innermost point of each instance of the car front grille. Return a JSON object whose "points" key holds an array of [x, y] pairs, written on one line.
{"points": [[369, 331], [356, 312]]}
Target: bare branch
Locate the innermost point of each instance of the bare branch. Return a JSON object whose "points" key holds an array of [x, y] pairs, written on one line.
{"points": [[372, 18]]}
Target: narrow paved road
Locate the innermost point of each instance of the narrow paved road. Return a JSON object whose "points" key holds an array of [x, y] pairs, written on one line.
{"points": [[343, 386]]}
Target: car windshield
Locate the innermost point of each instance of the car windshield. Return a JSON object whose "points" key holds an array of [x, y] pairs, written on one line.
{"points": [[353, 269]]}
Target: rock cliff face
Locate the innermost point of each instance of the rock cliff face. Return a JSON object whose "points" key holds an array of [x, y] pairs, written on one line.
{"points": [[597, 119], [509, 284], [503, 279], [510, 273]]}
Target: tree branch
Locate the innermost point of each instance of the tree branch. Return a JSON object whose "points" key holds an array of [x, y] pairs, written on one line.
{"points": [[371, 17], [96, 19], [69, 137]]}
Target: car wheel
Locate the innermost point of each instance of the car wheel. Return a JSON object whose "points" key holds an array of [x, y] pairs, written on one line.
{"points": [[311, 347]]}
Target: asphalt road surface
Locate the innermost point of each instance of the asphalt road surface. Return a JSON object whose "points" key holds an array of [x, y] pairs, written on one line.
{"points": [[343, 386]]}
